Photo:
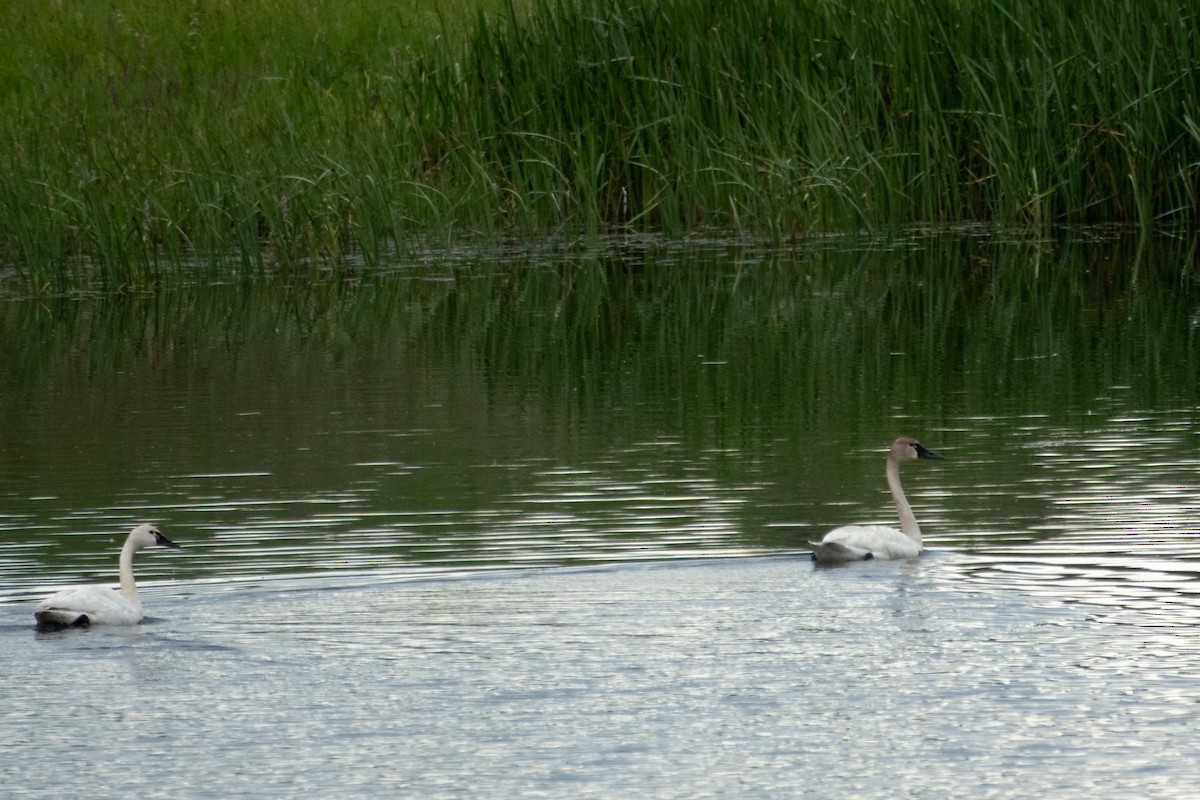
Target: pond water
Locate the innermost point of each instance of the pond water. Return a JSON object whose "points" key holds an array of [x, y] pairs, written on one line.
{"points": [[536, 524]]}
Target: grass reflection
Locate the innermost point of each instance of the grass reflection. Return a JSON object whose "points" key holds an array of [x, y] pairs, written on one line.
{"points": [[753, 383], [716, 332]]}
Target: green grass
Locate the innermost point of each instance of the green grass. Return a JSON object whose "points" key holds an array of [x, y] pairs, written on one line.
{"points": [[137, 136], [786, 116]]}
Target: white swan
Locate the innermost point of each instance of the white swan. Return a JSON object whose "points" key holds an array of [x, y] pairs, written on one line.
{"points": [[861, 542], [99, 605]]}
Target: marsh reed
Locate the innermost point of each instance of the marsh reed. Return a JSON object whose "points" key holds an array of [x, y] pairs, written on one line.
{"points": [[137, 136]]}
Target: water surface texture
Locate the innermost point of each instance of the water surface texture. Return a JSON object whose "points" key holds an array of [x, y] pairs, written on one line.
{"points": [[536, 524], [747, 677]]}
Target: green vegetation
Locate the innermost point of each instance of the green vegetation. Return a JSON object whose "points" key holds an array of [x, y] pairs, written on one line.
{"points": [[136, 135]]}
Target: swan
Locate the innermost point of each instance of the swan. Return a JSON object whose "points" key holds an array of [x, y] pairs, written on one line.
{"points": [[100, 605], [862, 542]]}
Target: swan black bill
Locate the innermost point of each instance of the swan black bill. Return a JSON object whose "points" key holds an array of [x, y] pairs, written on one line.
{"points": [[923, 453], [165, 542]]}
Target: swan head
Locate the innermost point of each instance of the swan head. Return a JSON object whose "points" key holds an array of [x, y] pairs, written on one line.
{"points": [[907, 448], [147, 535]]}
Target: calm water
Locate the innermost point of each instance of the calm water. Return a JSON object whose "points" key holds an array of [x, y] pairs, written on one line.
{"points": [[536, 526]]}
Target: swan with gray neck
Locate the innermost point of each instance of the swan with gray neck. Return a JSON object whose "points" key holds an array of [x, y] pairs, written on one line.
{"points": [[862, 542]]}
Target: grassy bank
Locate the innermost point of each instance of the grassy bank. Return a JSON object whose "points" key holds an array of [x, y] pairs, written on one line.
{"points": [[137, 135]]}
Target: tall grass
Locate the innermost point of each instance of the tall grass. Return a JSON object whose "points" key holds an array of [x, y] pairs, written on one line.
{"points": [[841, 114], [136, 135]]}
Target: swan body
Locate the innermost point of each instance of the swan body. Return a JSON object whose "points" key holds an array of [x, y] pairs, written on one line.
{"points": [[863, 542], [99, 605]]}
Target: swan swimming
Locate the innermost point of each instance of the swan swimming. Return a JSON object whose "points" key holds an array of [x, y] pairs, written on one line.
{"points": [[99, 605], [862, 542]]}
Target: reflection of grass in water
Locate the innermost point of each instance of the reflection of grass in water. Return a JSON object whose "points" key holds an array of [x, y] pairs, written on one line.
{"points": [[138, 134], [736, 360], [820, 333]]}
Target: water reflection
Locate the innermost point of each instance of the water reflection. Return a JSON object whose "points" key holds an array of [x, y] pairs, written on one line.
{"points": [[1104, 516], [1119, 501], [727, 676], [640, 402], [467, 529]]}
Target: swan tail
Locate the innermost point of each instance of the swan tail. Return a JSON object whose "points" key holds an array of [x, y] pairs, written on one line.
{"points": [[55, 619], [838, 552]]}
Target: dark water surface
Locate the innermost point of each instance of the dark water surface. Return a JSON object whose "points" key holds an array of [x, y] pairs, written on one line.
{"points": [[536, 525]]}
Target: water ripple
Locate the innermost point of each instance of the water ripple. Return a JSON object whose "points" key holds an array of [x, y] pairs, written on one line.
{"points": [[1105, 516]]}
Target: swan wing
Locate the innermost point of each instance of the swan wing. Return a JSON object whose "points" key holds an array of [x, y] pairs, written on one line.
{"points": [[87, 605], [858, 542]]}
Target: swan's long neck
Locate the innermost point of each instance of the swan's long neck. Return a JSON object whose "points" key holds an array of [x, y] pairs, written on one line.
{"points": [[128, 587], [908, 522]]}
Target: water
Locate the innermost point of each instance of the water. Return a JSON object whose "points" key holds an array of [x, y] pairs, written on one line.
{"points": [[539, 528], [743, 677]]}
